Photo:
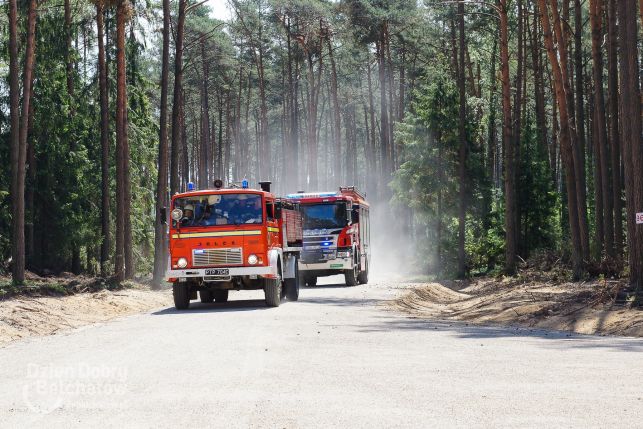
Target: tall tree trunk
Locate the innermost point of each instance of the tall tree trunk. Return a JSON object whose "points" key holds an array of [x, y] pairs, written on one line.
{"points": [[265, 161], [123, 242], [614, 135], [438, 219], [393, 150], [160, 237], [632, 143], [204, 159], [227, 149], [507, 142], [517, 115], [178, 85], [337, 133], [312, 100], [491, 136], [594, 161], [19, 132], [565, 142], [560, 31], [293, 129], [69, 60], [462, 153], [539, 86], [17, 162], [372, 186], [384, 119], [596, 8], [30, 191], [104, 141], [75, 246], [402, 85], [188, 168]]}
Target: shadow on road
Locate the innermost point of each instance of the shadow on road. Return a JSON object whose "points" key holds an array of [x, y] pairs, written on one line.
{"points": [[329, 286], [342, 302], [463, 330], [230, 306]]}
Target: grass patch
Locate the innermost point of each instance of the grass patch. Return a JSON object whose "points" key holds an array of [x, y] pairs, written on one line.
{"points": [[61, 287]]}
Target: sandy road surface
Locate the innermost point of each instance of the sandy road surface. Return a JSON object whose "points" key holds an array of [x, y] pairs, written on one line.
{"points": [[337, 358]]}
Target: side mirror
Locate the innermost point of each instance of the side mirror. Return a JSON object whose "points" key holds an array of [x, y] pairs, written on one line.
{"points": [[163, 214], [277, 212]]}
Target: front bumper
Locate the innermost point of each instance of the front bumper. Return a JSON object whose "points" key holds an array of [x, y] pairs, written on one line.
{"points": [[333, 264], [234, 272]]}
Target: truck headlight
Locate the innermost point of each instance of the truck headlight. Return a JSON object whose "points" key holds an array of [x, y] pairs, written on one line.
{"points": [[182, 262], [252, 259], [346, 254]]}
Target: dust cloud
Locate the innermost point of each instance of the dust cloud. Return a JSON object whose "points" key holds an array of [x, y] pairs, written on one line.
{"points": [[394, 249]]}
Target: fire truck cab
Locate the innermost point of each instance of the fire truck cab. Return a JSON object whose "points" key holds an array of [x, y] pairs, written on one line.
{"points": [[336, 235], [233, 239]]}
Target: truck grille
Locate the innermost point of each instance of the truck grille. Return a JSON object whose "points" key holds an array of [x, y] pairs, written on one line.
{"points": [[212, 257]]}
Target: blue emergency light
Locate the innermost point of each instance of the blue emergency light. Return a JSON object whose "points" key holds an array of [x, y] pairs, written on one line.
{"points": [[311, 195], [190, 186], [244, 183]]}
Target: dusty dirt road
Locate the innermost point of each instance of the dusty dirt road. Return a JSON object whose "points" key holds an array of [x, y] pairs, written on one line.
{"points": [[336, 358]]}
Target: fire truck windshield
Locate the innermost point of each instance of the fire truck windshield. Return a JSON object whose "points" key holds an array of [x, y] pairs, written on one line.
{"points": [[324, 215], [219, 209]]}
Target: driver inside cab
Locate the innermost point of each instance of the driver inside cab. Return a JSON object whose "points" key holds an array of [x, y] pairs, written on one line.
{"points": [[188, 215]]}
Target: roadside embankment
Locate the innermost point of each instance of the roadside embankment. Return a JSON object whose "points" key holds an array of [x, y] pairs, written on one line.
{"points": [[529, 301], [46, 306]]}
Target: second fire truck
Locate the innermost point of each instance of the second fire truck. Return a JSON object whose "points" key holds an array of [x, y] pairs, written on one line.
{"points": [[336, 235]]}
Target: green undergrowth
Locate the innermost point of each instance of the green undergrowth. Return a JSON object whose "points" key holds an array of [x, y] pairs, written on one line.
{"points": [[61, 287]]}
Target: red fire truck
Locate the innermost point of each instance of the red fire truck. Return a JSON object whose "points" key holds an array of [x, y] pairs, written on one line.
{"points": [[336, 235], [233, 239]]}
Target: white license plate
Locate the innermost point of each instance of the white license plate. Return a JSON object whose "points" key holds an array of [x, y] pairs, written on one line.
{"points": [[217, 272]]}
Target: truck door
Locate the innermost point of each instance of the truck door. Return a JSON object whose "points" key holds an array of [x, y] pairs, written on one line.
{"points": [[272, 223]]}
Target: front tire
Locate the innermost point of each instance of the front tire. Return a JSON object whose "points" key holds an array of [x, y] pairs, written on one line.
{"points": [[272, 289], [351, 275], [181, 293]]}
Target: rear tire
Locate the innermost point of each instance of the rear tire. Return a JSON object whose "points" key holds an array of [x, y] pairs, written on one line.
{"points": [[221, 295], [181, 293], [206, 296], [272, 289]]}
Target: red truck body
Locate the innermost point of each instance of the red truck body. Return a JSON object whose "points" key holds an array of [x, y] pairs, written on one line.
{"points": [[336, 235], [232, 239]]}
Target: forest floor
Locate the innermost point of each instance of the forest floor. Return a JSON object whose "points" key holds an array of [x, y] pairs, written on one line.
{"points": [[48, 305], [535, 298]]}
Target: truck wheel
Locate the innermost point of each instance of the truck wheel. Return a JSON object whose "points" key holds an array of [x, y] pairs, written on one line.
{"points": [[206, 296], [272, 289], [351, 276], [363, 275], [221, 295], [181, 293], [292, 286]]}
